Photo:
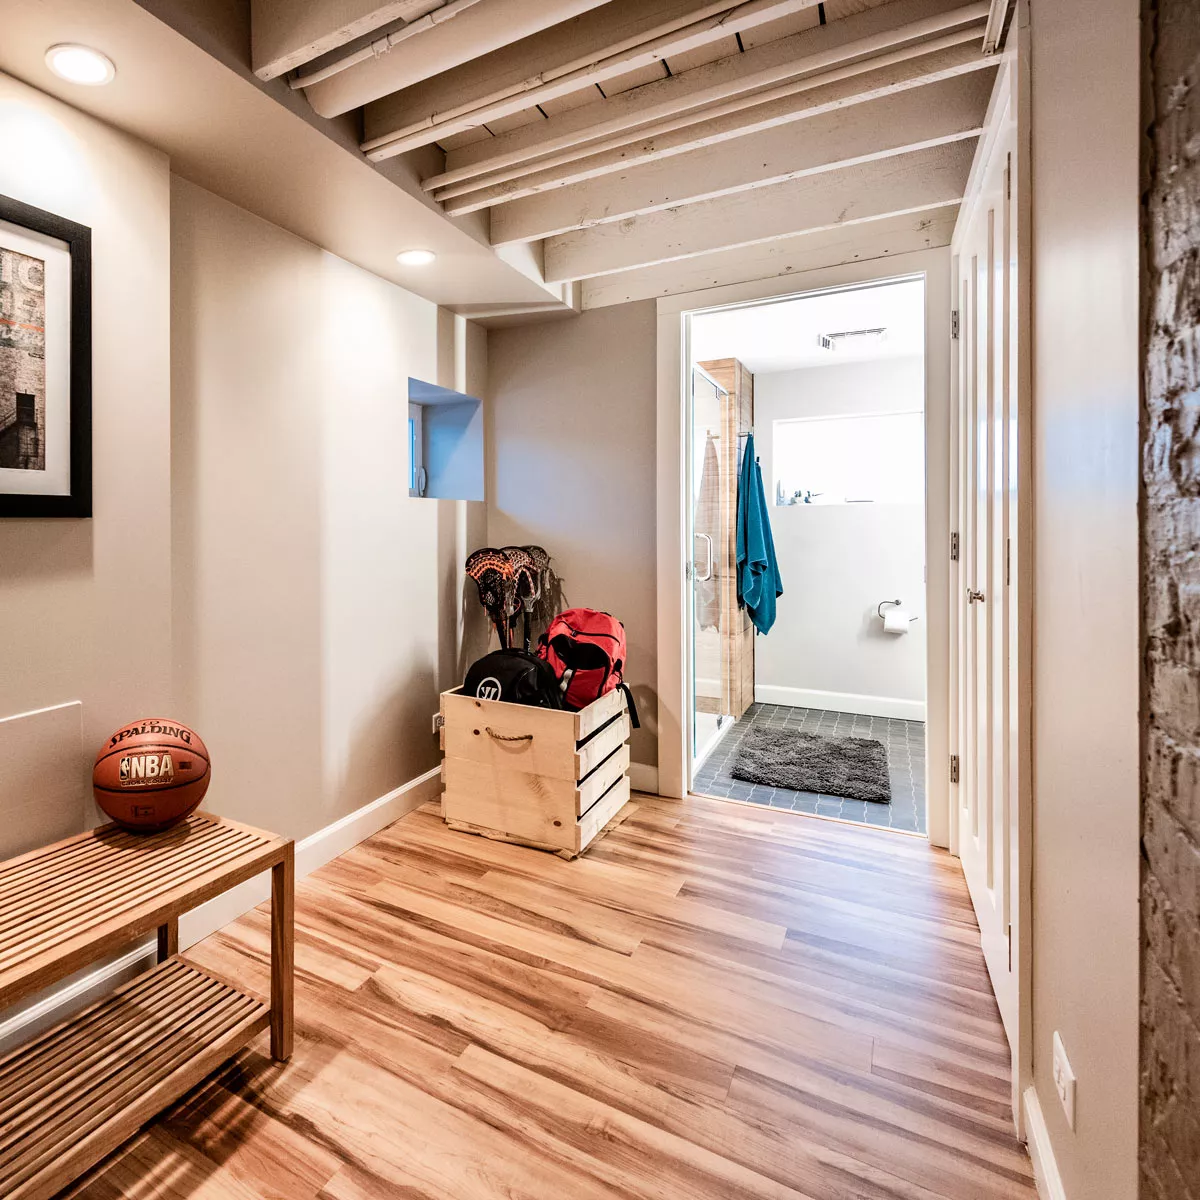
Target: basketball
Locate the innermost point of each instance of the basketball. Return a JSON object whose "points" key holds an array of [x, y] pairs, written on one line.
{"points": [[151, 774]]}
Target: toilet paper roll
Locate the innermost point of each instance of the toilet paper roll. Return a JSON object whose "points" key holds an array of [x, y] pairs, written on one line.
{"points": [[896, 620]]}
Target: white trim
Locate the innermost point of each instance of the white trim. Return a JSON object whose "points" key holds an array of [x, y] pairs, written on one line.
{"points": [[312, 852], [847, 702], [643, 778], [74, 993], [673, 668], [1041, 1151]]}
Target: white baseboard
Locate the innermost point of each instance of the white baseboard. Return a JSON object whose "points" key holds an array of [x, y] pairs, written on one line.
{"points": [[643, 778], [312, 852], [1041, 1152], [847, 702]]}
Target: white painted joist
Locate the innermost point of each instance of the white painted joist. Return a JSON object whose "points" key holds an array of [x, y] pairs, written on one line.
{"points": [[880, 239], [951, 110], [287, 33], [909, 183], [825, 91], [760, 66], [479, 31], [614, 40]]}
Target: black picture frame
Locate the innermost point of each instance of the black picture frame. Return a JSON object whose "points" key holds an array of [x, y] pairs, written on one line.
{"points": [[79, 242]]}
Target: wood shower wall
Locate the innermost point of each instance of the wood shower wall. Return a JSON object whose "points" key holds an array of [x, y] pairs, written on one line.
{"points": [[737, 632]]}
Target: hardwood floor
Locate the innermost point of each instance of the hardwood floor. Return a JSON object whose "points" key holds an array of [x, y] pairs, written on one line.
{"points": [[717, 1001]]}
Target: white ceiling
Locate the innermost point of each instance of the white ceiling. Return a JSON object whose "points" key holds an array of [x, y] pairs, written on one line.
{"points": [[782, 335]]}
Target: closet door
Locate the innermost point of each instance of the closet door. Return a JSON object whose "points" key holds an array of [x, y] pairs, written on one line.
{"points": [[992, 745]]}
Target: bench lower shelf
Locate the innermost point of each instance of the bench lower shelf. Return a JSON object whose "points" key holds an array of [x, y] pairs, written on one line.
{"points": [[76, 1092]]}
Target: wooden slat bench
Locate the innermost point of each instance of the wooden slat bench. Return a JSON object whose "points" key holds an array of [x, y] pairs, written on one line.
{"points": [[74, 1093]]}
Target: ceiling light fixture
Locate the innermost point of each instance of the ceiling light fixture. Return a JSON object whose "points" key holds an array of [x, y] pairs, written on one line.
{"points": [[415, 258], [80, 64]]}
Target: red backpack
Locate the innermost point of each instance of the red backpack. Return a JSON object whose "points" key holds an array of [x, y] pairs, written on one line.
{"points": [[586, 649]]}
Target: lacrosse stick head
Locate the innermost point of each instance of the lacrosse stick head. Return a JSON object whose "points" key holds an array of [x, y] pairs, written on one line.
{"points": [[527, 579], [493, 575]]}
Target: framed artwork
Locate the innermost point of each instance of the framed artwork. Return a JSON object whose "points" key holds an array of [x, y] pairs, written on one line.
{"points": [[45, 364]]}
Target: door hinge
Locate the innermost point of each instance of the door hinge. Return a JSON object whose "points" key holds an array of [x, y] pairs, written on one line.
{"points": [[954, 324], [954, 546], [1008, 177], [954, 768], [1008, 935], [1007, 562]]}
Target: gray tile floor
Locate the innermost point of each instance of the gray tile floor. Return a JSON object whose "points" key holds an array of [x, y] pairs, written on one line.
{"points": [[905, 742]]}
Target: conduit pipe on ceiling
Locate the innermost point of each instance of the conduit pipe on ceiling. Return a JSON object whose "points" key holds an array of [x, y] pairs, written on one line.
{"points": [[382, 45], [583, 139], [718, 20]]}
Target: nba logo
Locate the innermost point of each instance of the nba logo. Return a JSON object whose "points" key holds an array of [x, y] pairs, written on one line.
{"points": [[488, 689]]}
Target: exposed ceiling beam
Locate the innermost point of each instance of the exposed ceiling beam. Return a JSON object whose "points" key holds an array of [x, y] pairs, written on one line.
{"points": [[993, 36], [855, 83], [871, 32], [880, 239], [948, 111], [481, 30], [287, 33], [613, 40], [384, 43], [925, 179]]}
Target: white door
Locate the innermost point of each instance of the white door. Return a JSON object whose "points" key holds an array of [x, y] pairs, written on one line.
{"points": [[992, 772]]}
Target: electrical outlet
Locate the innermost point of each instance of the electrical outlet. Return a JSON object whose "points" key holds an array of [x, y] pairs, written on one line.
{"points": [[438, 722], [1064, 1079]]}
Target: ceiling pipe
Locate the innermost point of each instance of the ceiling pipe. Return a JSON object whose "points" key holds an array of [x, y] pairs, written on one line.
{"points": [[718, 20], [382, 45], [585, 140]]}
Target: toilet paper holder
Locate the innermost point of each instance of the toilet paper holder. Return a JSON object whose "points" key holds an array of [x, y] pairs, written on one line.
{"points": [[897, 603]]}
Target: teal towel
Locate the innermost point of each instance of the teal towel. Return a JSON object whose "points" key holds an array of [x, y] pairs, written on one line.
{"points": [[759, 585]]}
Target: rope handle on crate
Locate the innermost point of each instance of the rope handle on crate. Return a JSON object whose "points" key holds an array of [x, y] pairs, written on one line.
{"points": [[507, 737]]}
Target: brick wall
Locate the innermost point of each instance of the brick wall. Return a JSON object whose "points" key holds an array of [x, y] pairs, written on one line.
{"points": [[1170, 977]]}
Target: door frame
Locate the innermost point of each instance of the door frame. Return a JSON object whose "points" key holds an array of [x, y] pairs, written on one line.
{"points": [[1012, 84], [674, 357]]}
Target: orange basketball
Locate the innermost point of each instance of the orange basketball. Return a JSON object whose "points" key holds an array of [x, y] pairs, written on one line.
{"points": [[151, 774]]}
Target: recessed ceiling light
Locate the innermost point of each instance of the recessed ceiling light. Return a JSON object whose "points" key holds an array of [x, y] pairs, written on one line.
{"points": [[80, 64], [415, 258]]}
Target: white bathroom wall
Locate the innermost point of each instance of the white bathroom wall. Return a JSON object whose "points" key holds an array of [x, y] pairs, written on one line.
{"points": [[828, 648]]}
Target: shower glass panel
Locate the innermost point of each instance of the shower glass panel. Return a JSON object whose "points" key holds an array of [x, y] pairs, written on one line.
{"points": [[709, 519]]}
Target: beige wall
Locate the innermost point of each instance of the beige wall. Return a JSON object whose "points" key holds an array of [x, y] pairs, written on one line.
{"points": [[86, 604], [311, 606], [1085, 56], [571, 466]]}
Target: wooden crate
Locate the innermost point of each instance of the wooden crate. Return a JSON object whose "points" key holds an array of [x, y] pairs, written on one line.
{"points": [[536, 776]]}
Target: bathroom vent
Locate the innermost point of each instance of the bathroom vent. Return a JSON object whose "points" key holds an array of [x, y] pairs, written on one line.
{"points": [[829, 341]]}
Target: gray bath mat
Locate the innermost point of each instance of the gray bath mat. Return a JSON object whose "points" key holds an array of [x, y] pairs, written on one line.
{"points": [[855, 768]]}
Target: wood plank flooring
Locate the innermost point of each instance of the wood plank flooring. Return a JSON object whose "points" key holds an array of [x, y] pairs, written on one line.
{"points": [[717, 1001]]}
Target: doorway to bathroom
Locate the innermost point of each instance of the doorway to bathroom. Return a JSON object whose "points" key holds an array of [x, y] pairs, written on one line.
{"points": [[807, 623]]}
